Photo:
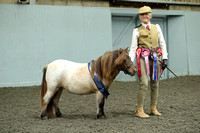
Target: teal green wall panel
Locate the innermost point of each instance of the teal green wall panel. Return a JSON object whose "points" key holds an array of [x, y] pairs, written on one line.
{"points": [[192, 21], [32, 36]]}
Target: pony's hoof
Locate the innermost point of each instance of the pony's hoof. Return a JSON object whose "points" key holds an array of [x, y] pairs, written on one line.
{"points": [[58, 115], [44, 118], [101, 116]]}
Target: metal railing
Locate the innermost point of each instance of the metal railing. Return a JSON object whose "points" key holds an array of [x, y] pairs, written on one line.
{"points": [[181, 2], [190, 1]]}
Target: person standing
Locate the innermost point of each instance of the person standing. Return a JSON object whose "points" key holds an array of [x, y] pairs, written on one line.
{"points": [[148, 38]]}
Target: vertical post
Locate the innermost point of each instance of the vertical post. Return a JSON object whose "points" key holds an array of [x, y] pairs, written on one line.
{"points": [[32, 2]]}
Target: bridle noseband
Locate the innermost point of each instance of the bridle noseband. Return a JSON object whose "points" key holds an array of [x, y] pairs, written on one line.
{"points": [[126, 70]]}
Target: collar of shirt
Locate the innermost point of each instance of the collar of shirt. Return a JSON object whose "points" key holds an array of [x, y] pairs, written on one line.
{"points": [[145, 25]]}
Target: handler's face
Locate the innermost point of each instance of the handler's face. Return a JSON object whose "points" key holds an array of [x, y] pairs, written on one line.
{"points": [[145, 18]]}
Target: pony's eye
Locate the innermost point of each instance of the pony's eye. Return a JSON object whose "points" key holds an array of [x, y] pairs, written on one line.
{"points": [[124, 61]]}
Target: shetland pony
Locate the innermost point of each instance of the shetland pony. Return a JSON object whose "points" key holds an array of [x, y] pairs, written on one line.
{"points": [[77, 79]]}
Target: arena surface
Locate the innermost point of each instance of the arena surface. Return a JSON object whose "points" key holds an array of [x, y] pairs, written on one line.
{"points": [[179, 103]]}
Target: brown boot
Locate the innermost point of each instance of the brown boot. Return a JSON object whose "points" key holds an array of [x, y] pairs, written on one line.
{"points": [[154, 110], [140, 113]]}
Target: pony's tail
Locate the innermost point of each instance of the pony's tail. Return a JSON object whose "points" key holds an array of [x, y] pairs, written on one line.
{"points": [[43, 88], [43, 91]]}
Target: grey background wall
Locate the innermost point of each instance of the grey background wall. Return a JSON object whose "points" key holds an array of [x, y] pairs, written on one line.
{"points": [[32, 36]]}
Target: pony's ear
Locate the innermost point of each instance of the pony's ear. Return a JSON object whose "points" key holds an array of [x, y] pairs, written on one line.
{"points": [[126, 49], [120, 51]]}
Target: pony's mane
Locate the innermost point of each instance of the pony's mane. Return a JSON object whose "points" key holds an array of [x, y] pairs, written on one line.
{"points": [[104, 65]]}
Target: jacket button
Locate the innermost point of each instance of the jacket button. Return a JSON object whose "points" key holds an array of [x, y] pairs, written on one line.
{"points": [[150, 38], [150, 42]]}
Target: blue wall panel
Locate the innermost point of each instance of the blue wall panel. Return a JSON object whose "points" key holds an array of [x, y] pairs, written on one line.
{"points": [[32, 36], [192, 20], [177, 45]]}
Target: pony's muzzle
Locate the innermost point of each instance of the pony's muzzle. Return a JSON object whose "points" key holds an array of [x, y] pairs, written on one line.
{"points": [[131, 70], [134, 73]]}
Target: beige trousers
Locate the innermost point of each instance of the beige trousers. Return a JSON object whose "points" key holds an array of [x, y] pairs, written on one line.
{"points": [[143, 83]]}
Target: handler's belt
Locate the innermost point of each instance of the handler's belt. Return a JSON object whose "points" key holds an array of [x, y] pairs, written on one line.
{"points": [[98, 82]]}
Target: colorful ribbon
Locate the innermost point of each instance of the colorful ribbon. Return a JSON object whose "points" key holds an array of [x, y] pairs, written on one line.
{"points": [[138, 52], [160, 53], [154, 55], [98, 82], [145, 53], [155, 66]]}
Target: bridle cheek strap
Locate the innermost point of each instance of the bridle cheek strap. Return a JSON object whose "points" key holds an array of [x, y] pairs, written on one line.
{"points": [[126, 70], [138, 52]]}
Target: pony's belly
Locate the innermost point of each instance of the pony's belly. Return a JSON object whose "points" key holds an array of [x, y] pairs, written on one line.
{"points": [[81, 88], [80, 91], [79, 81]]}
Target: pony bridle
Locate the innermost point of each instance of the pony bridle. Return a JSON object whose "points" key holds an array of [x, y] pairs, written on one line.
{"points": [[126, 69]]}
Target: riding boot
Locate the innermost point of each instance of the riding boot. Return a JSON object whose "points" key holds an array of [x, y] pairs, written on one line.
{"points": [[140, 113], [154, 110]]}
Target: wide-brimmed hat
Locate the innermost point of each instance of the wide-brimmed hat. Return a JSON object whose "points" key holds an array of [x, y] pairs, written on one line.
{"points": [[144, 9]]}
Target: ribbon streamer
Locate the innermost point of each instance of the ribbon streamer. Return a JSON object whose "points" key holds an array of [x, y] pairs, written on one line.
{"points": [[160, 53], [145, 54], [155, 66], [138, 52], [155, 54]]}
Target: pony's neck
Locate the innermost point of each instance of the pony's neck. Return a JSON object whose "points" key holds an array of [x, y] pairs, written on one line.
{"points": [[106, 70], [109, 79]]}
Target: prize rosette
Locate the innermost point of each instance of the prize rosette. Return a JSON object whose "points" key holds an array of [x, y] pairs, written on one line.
{"points": [[138, 52], [145, 54], [155, 54]]}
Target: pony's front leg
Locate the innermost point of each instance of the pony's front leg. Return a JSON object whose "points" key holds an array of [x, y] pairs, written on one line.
{"points": [[100, 104]]}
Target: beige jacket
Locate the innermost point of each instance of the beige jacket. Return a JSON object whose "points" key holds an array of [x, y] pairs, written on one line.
{"points": [[140, 36]]}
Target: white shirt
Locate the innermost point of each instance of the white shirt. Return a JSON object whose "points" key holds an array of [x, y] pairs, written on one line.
{"points": [[161, 42]]}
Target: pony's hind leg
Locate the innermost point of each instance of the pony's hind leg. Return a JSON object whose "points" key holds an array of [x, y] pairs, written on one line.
{"points": [[100, 100], [56, 99], [47, 108]]}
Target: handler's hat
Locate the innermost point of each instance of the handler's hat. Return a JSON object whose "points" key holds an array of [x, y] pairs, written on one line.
{"points": [[144, 9]]}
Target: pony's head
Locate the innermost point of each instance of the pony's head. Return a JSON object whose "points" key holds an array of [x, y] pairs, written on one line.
{"points": [[112, 62], [124, 63]]}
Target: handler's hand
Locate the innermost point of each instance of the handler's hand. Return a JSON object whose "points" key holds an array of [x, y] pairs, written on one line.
{"points": [[164, 64]]}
